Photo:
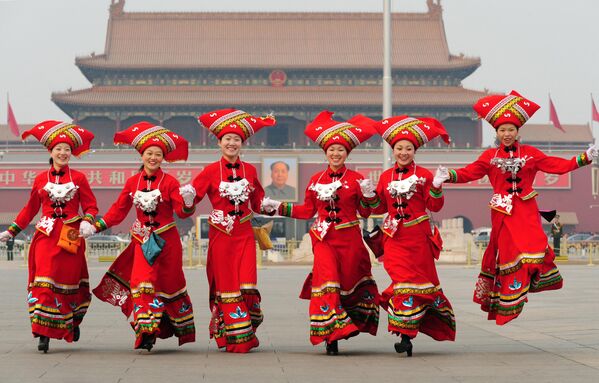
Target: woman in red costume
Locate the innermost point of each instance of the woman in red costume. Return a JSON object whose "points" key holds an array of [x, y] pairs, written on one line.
{"points": [[234, 191], [58, 278], [518, 259], [147, 278], [343, 295], [414, 301]]}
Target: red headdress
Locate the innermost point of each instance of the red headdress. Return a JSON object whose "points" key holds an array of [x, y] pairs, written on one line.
{"points": [[50, 133], [418, 131], [145, 134], [221, 122], [325, 131], [510, 109]]}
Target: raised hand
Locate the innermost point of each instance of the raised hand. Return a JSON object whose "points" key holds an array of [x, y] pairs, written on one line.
{"points": [[270, 205], [188, 193], [367, 187], [441, 175]]}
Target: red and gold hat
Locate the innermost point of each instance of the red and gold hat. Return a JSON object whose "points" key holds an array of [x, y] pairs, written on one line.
{"points": [[50, 133], [221, 122], [325, 131], [145, 134], [510, 109], [418, 131]]}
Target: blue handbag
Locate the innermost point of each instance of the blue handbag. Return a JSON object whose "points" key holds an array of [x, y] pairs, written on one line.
{"points": [[152, 248]]}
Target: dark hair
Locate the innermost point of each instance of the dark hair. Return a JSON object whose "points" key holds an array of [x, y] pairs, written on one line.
{"points": [[279, 162], [51, 161]]}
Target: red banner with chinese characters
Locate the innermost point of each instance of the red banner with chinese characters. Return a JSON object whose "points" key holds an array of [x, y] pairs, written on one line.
{"points": [[110, 177], [542, 180]]}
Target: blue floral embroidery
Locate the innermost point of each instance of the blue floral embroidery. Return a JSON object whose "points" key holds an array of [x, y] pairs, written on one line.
{"points": [[238, 314], [136, 308], [184, 308], [58, 305], [324, 308], [31, 299], [73, 305], [408, 302], [367, 296], [156, 304], [515, 285]]}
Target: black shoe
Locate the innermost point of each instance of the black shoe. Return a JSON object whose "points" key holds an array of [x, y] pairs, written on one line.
{"points": [[147, 341], [404, 346], [332, 348], [44, 344], [76, 334]]}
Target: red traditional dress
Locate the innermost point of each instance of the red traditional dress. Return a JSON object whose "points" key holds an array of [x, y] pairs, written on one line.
{"points": [[518, 259], [234, 191], [343, 294], [58, 279], [153, 290], [414, 301]]}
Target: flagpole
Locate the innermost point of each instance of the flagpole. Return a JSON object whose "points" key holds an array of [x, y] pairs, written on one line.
{"points": [[7, 103]]}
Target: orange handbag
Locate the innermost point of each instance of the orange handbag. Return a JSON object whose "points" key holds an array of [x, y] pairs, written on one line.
{"points": [[69, 239]]}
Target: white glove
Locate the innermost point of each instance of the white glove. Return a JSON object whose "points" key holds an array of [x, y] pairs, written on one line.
{"points": [[593, 151], [5, 236], [441, 175], [367, 187], [270, 205], [86, 229], [188, 193]]}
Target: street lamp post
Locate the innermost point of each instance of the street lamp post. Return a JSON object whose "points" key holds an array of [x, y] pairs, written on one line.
{"points": [[387, 106]]}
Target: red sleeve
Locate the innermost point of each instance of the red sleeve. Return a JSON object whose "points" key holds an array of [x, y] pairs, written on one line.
{"points": [[379, 203], [557, 165], [477, 169], [177, 201], [87, 199], [304, 211], [28, 212], [201, 183], [119, 209], [433, 196], [257, 194]]}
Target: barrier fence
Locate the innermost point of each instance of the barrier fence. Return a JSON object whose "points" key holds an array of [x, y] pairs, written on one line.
{"points": [[288, 252]]}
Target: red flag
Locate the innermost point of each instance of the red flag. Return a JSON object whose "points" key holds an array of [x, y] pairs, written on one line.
{"points": [[12, 121], [553, 116], [594, 114]]}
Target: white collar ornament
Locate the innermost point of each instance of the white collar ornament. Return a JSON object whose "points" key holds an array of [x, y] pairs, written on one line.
{"points": [[238, 191], [405, 188], [325, 192], [147, 200], [61, 192]]}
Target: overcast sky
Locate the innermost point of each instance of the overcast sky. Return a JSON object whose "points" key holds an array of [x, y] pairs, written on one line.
{"points": [[533, 46]]}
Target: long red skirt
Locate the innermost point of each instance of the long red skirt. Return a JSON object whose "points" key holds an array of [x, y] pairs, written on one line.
{"points": [[343, 295], [156, 295], [58, 289], [234, 298], [415, 301], [517, 261]]}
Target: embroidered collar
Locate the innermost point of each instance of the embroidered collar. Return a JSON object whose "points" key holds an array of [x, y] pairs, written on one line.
{"points": [[403, 169]]}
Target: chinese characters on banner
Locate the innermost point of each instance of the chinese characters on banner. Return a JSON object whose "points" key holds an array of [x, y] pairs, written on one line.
{"points": [[101, 178]]}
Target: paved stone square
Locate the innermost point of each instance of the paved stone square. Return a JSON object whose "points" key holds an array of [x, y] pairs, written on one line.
{"points": [[555, 340]]}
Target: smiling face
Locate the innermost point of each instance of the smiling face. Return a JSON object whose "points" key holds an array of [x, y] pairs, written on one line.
{"points": [[336, 155], [152, 158], [60, 154], [506, 134], [230, 146], [404, 151]]}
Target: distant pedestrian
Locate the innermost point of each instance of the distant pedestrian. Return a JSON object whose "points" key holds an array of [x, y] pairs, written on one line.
{"points": [[10, 244]]}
